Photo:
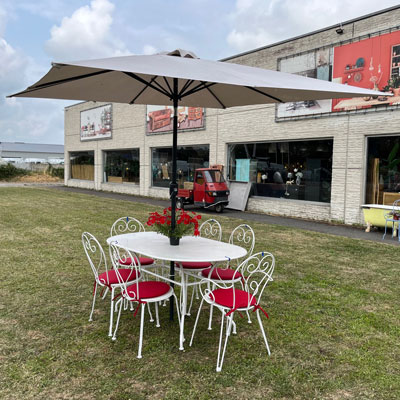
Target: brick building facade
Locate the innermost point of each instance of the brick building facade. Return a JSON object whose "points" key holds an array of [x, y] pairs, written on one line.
{"points": [[344, 136]]}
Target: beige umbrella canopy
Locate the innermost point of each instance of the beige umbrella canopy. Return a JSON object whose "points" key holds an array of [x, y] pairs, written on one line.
{"points": [[179, 78], [149, 79]]}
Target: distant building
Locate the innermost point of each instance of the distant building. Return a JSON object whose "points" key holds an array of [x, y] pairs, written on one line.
{"points": [[19, 152], [320, 160]]}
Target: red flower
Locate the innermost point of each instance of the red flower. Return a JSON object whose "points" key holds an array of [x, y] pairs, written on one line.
{"points": [[196, 232]]}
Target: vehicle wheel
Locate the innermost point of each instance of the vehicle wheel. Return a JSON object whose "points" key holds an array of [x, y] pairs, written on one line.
{"points": [[179, 204], [219, 208]]}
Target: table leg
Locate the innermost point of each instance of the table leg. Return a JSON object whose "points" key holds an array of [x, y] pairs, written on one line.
{"points": [[171, 303], [183, 310]]}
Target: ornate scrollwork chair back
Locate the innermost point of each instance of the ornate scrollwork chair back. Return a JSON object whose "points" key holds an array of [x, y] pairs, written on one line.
{"points": [[95, 255], [126, 225], [243, 236], [211, 229], [120, 255]]}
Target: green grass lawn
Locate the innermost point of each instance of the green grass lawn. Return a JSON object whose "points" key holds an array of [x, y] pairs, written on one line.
{"points": [[334, 306]]}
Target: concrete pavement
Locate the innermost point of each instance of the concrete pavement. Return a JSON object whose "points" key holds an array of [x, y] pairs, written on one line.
{"points": [[322, 227]]}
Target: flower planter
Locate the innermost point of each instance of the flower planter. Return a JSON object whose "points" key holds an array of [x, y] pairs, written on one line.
{"points": [[174, 241]]}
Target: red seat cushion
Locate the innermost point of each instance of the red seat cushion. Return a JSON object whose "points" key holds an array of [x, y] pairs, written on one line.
{"points": [[127, 275], [224, 297], [194, 265], [222, 274], [148, 289], [142, 260]]}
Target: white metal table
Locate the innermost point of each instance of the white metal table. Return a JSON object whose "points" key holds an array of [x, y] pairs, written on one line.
{"points": [[190, 249]]}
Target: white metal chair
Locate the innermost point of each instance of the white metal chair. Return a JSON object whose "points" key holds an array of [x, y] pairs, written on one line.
{"points": [[243, 235], [392, 217], [210, 229], [257, 272], [142, 292], [130, 225], [107, 279]]}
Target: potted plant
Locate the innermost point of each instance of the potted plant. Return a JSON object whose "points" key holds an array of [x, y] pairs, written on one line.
{"points": [[185, 224], [393, 85]]}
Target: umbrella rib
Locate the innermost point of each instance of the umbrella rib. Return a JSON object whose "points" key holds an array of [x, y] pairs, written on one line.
{"points": [[265, 94], [61, 81], [203, 86], [139, 94], [169, 87], [200, 86], [148, 84], [186, 86], [216, 98]]}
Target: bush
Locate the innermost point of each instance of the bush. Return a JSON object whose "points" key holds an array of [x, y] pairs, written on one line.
{"points": [[58, 172], [9, 171]]}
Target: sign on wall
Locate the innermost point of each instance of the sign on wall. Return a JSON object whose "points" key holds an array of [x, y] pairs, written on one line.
{"points": [[159, 119], [373, 63], [312, 65], [96, 123]]}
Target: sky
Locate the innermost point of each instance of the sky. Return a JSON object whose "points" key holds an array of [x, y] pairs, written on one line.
{"points": [[33, 33]]}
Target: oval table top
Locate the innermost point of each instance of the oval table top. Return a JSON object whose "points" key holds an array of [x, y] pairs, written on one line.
{"points": [[191, 248]]}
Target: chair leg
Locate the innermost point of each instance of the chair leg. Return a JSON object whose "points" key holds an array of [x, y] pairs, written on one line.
{"points": [[210, 319], [248, 317], [220, 339], [234, 327], [383, 237], [183, 310], [105, 293], [94, 301], [228, 333], [263, 332], [177, 308], [157, 319], [141, 330], [119, 316], [195, 323], [191, 300], [111, 312], [151, 315]]}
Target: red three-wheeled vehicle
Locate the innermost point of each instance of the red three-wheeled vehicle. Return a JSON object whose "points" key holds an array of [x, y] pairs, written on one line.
{"points": [[208, 190]]}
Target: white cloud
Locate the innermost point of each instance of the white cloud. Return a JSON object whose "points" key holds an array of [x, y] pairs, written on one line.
{"points": [[148, 49], [25, 119], [85, 34], [11, 62], [256, 23]]}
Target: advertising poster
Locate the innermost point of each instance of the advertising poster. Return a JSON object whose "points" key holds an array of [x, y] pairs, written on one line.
{"points": [[312, 65], [96, 123], [373, 63], [159, 119]]}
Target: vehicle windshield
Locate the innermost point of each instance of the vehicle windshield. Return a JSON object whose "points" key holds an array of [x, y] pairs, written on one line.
{"points": [[214, 176]]}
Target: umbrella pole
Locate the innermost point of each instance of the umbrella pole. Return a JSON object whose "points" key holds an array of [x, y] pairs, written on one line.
{"points": [[173, 188]]}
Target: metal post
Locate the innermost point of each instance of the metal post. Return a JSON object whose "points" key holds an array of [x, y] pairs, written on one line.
{"points": [[173, 188]]}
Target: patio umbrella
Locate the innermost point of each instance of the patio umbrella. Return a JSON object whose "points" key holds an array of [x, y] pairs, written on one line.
{"points": [[179, 78]]}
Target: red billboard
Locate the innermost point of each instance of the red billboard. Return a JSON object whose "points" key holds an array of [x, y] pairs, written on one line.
{"points": [[373, 63]]}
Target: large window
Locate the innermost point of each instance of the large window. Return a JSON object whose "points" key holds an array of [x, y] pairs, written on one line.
{"points": [[121, 166], [383, 170], [188, 159], [300, 170], [82, 165]]}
